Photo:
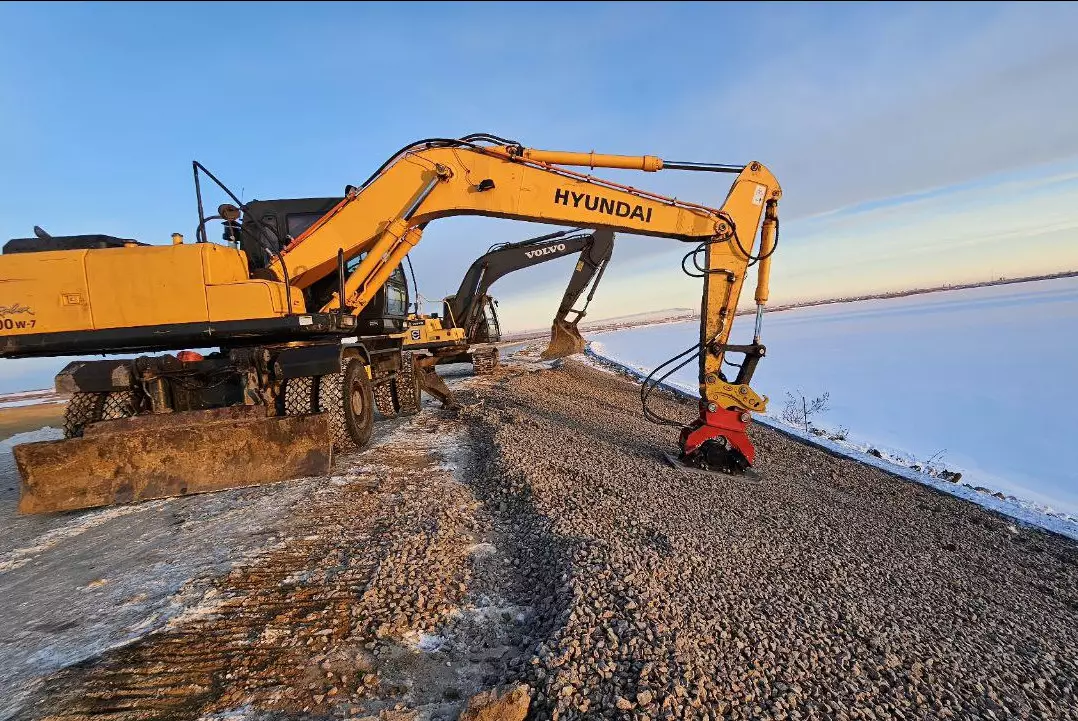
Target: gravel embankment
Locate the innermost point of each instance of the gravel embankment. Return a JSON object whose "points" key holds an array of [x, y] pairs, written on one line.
{"points": [[539, 537], [825, 589]]}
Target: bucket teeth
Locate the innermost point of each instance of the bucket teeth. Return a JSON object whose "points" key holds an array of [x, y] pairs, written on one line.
{"points": [[565, 340]]}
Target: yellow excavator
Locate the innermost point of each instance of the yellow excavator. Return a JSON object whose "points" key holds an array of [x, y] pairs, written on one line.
{"points": [[283, 392]]}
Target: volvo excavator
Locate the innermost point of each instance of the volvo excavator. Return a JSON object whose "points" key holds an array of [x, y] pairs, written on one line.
{"points": [[472, 310], [283, 392]]}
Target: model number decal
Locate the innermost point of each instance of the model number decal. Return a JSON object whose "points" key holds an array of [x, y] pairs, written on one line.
{"points": [[7, 323], [598, 203], [17, 309]]}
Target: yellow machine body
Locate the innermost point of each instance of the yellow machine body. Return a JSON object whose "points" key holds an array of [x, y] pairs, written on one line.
{"points": [[424, 331], [138, 285]]}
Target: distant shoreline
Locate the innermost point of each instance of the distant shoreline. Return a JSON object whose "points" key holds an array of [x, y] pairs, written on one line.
{"points": [[916, 291], [683, 314]]}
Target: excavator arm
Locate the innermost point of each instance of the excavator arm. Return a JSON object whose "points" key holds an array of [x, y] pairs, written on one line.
{"points": [[483, 175], [595, 248], [565, 338]]}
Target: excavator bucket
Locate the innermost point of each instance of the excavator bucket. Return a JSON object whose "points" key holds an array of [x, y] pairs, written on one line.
{"points": [[176, 454], [565, 340]]}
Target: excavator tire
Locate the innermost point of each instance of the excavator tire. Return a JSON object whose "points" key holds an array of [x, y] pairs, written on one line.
{"points": [[359, 402], [407, 391], [118, 405], [331, 402], [383, 399], [484, 362], [348, 400], [299, 396], [82, 410]]}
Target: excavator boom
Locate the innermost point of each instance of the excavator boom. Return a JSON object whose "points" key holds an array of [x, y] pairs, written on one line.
{"points": [[483, 175]]}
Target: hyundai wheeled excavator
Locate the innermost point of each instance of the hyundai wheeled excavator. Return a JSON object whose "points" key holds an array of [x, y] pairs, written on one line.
{"points": [[283, 390]]}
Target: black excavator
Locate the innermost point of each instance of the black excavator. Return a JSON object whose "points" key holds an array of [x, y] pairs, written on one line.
{"points": [[475, 311]]}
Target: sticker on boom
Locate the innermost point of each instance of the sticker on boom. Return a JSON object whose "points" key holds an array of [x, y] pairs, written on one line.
{"points": [[545, 251], [618, 208]]}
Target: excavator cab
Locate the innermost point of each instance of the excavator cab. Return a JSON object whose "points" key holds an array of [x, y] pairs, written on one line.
{"points": [[270, 225]]}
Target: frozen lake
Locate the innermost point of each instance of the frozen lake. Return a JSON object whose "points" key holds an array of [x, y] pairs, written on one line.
{"points": [[984, 379]]}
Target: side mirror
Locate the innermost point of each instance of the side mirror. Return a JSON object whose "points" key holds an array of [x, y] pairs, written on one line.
{"points": [[228, 211]]}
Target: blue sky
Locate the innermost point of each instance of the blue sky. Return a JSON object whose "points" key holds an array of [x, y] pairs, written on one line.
{"points": [[913, 141]]}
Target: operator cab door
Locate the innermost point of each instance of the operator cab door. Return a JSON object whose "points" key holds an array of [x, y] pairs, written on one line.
{"points": [[388, 308], [271, 223], [488, 329]]}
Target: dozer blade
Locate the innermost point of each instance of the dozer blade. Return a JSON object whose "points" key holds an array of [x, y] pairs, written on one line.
{"points": [[159, 456], [565, 340]]}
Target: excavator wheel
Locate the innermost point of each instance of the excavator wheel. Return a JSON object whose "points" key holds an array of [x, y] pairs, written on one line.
{"points": [[298, 396], [82, 410], [383, 399], [407, 391], [485, 362], [331, 401], [348, 400], [358, 403], [86, 408], [120, 404]]}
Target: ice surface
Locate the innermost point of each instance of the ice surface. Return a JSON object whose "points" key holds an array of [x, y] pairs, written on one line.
{"points": [[29, 398], [983, 376], [75, 585]]}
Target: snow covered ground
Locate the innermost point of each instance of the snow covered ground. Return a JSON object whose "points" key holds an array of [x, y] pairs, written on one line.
{"points": [[30, 398], [980, 381]]}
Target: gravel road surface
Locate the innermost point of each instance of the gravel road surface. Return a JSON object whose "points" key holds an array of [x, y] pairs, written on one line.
{"points": [[538, 536]]}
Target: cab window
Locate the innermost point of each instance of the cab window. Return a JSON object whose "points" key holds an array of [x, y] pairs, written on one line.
{"points": [[298, 223], [395, 300], [350, 266]]}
